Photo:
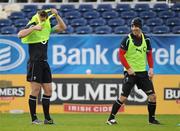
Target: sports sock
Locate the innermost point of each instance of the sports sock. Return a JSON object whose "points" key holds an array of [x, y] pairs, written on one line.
{"points": [[45, 103], [151, 110], [32, 107], [117, 104]]}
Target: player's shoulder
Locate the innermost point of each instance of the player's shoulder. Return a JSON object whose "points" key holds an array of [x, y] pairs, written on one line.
{"points": [[146, 36]]}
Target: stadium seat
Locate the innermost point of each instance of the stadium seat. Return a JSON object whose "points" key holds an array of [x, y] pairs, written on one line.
{"points": [[121, 30], [30, 14], [104, 7], [78, 22], [128, 14], [160, 7], [146, 29], [29, 8], [5, 22], [91, 14], [44, 7], [162, 29], [84, 30], [72, 15], [17, 15], [123, 7], [176, 30], [8, 30], [141, 7], [147, 14], [116, 22], [66, 8], [110, 14], [20, 23], [69, 30], [173, 22], [103, 30], [166, 14], [97, 22], [176, 7], [85, 7], [154, 22]]}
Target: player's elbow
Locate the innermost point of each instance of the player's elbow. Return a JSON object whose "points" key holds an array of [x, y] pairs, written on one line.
{"points": [[20, 35], [61, 28]]}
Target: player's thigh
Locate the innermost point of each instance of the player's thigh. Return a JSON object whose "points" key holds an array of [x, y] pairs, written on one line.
{"points": [[34, 72], [128, 84], [146, 85], [47, 76]]}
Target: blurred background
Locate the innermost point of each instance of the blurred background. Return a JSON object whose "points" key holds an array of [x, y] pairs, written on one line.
{"points": [[87, 75]]}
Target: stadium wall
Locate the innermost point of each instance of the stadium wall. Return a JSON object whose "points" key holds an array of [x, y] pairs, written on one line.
{"points": [[87, 75]]}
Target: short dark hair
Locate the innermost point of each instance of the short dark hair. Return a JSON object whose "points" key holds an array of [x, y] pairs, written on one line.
{"points": [[43, 13], [137, 22]]}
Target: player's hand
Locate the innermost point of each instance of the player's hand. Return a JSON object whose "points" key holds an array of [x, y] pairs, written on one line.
{"points": [[37, 27], [130, 71], [54, 11], [151, 73]]}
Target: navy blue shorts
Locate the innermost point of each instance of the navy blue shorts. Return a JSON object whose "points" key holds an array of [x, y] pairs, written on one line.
{"points": [[39, 71], [141, 79]]}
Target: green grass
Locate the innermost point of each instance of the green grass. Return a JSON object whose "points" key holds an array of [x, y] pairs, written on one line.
{"points": [[88, 122]]}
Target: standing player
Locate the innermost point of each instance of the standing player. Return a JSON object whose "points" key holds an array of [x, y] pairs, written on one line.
{"points": [[36, 34], [134, 51]]}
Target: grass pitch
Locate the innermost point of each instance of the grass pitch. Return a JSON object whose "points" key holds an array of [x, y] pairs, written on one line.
{"points": [[88, 122]]}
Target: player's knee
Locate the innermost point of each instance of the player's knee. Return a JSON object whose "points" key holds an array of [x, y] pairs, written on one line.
{"points": [[35, 91], [152, 98], [122, 99], [48, 92]]}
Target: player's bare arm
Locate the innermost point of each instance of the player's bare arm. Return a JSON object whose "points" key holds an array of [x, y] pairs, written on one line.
{"points": [[24, 32], [61, 26]]}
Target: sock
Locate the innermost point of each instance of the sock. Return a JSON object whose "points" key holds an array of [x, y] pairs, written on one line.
{"points": [[45, 104], [151, 110], [32, 107], [115, 109]]}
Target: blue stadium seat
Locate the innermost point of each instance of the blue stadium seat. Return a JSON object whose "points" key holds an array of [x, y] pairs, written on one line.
{"points": [[162, 29], [167, 14], [176, 30], [173, 22], [104, 7], [110, 14], [147, 14], [84, 30], [20, 23], [128, 14], [141, 7], [160, 7], [30, 14], [66, 8], [72, 15], [116, 22], [17, 15], [5, 22], [146, 29], [97, 22], [29, 8], [69, 30], [176, 7], [8, 30], [78, 22], [123, 7], [154, 22], [91, 14], [121, 30], [44, 7], [103, 30], [85, 7]]}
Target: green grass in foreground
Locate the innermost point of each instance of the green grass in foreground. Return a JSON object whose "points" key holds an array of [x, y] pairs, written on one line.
{"points": [[88, 122]]}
